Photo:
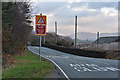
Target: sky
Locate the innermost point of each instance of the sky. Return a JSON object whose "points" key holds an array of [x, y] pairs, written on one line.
{"points": [[92, 16]]}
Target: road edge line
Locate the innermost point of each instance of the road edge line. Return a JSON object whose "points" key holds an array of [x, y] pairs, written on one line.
{"points": [[54, 64]]}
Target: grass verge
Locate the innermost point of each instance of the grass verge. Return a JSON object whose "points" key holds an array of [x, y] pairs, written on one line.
{"points": [[28, 66]]}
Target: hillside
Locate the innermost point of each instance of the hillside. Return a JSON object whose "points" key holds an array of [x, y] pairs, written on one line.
{"points": [[91, 36]]}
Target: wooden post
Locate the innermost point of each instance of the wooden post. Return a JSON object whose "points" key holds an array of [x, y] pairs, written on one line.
{"points": [[56, 32], [97, 39], [75, 31]]}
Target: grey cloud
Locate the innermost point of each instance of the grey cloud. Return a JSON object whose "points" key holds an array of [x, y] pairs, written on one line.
{"points": [[65, 16], [100, 22], [95, 5], [99, 5], [47, 7]]}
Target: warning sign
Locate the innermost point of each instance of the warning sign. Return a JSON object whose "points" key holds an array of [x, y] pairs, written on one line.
{"points": [[40, 30], [40, 19], [40, 25]]}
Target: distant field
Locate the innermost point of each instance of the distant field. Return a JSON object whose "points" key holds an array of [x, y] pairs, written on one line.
{"points": [[28, 66]]}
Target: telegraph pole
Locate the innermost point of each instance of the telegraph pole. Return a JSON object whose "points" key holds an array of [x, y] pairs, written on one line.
{"points": [[75, 31], [56, 31], [97, 39]]}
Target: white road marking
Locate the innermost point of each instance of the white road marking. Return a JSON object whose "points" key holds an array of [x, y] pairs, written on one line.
{"points": [[112, 69], [82, 64], [71, 65], [96, 68], [86, 69], [59, 68], [54, 64], [53, 56], [91, 67], [57, 56], [78, 70], [103, 68], [75, 68]]}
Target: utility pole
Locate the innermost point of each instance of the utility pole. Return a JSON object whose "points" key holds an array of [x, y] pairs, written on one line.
{"points": [[97, 39], [56, 31], [75, 31]]}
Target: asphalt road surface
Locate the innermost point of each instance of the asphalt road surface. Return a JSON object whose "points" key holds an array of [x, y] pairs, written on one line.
{"points": [[73, 66]]}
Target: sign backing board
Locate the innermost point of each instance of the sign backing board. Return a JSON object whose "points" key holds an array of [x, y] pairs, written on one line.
{"points": [[40, 30], [40, 25], [40, 19]]}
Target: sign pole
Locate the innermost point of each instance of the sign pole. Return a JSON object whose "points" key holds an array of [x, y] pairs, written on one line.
{"points": [[40, 47], [40, 50], [40, 29]]}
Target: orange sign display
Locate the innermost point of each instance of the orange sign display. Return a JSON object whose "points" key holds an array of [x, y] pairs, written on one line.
{"points": [[40, 19], [40, 25]]}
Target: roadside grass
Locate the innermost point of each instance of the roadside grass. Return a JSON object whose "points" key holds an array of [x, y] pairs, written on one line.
{"points": [[28, 66]]}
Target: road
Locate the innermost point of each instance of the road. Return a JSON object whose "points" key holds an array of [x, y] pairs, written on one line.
{"points": [[80, 67]]}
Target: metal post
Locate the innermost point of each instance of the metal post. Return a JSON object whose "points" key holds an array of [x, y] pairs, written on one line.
{"points": [[75, 31], [40, 50], [44, 40], [40, 47]]}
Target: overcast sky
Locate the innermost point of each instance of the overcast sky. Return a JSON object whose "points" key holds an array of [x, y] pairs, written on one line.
{"points": [[92, 16]]}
